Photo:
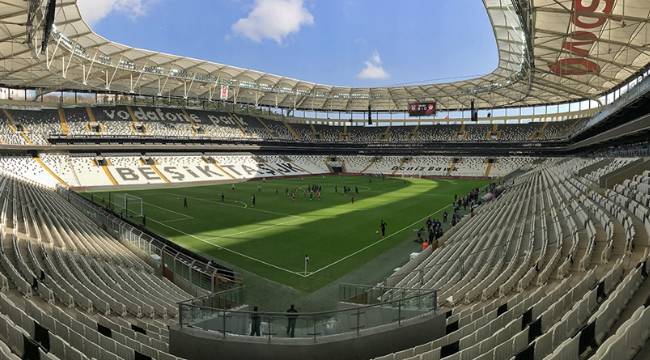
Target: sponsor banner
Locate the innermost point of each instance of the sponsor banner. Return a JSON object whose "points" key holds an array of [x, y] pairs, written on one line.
{"points": [[423, 169], [191, 173], [227, 120], [133, 175], [257, 170], [223, 95], [171, 116], [587, 20], [422, 109]]}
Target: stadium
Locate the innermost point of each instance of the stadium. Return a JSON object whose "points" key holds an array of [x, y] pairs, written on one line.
{"points": [[158, 206]]}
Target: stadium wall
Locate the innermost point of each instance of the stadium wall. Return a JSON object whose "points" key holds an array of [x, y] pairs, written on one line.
{"points": [[198, 344], [626, 172]]}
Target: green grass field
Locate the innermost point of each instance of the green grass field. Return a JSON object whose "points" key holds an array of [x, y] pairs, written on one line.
{"points": [[272, 238]]}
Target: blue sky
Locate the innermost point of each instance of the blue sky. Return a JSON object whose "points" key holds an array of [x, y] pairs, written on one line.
{"points": [[362, 43]]}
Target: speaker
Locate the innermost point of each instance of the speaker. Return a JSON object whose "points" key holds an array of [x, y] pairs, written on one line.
{"points": [[473, 112]]}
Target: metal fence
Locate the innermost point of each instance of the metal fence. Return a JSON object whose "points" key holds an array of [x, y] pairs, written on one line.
{"points": [[194, 275], [225, 314]]}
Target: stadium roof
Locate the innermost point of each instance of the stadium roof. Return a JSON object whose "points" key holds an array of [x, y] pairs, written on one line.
{"points": [[550, 51]]}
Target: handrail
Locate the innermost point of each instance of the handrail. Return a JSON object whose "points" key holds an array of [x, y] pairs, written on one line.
{"points": [[420, 294], [234, 320]]}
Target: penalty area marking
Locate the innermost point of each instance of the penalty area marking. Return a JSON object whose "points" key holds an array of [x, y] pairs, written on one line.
{"points": [[185, 216], [247, 208], [230, 250], [177, 220]]}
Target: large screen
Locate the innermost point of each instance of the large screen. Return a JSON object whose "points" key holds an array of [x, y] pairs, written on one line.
{"points": [[422, 109]]}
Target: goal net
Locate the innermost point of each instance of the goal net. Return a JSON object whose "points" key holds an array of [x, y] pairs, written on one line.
{"points": [[126, 204]]}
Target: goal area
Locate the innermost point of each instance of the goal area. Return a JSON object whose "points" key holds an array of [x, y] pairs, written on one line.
{"points": [[129, 206]]}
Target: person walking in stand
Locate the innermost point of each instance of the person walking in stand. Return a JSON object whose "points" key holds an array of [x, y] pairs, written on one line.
{"points": [[291, 321], [256, 322]]}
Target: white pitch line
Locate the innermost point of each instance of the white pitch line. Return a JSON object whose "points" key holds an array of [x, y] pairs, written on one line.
{"points": [[375, 243], [247, 208], [229, 250], [177, 220], [260, 228], [187, 217]]}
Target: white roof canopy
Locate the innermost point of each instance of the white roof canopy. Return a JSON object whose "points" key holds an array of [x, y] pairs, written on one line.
{"points": [[555, 51]]}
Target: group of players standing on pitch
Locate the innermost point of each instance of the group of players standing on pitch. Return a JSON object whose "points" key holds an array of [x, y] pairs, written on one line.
{"points": [[312, 192]]}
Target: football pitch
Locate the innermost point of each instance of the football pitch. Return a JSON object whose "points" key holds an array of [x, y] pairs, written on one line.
{"points": [[272, 237]]}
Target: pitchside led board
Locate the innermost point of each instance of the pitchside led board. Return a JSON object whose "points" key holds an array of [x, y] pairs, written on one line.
{"points": [[422, 109]]}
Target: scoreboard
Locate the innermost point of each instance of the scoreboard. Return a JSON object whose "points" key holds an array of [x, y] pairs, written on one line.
{"points": [[422, 109]]}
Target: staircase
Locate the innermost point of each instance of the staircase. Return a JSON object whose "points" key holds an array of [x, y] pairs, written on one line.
{"points": [[292, 131], [402, 161], [451, 166], [372, 162], [239, 125], [462, 133], [65, 129], [133, 121], [488, 167], [14, 128], [315, 134], [540, 133], [107, 172], [189, 119], [155, 169], [47, 169], [414, 132], [492, 132], [386, 134], [93, 120], [268, 129]]}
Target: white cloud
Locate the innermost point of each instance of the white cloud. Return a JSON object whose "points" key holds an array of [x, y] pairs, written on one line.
{"points": [[374, 69], [273, 19], [94, 10]]}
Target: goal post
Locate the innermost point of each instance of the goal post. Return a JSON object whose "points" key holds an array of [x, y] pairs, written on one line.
{"points": [[127, 205]]}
